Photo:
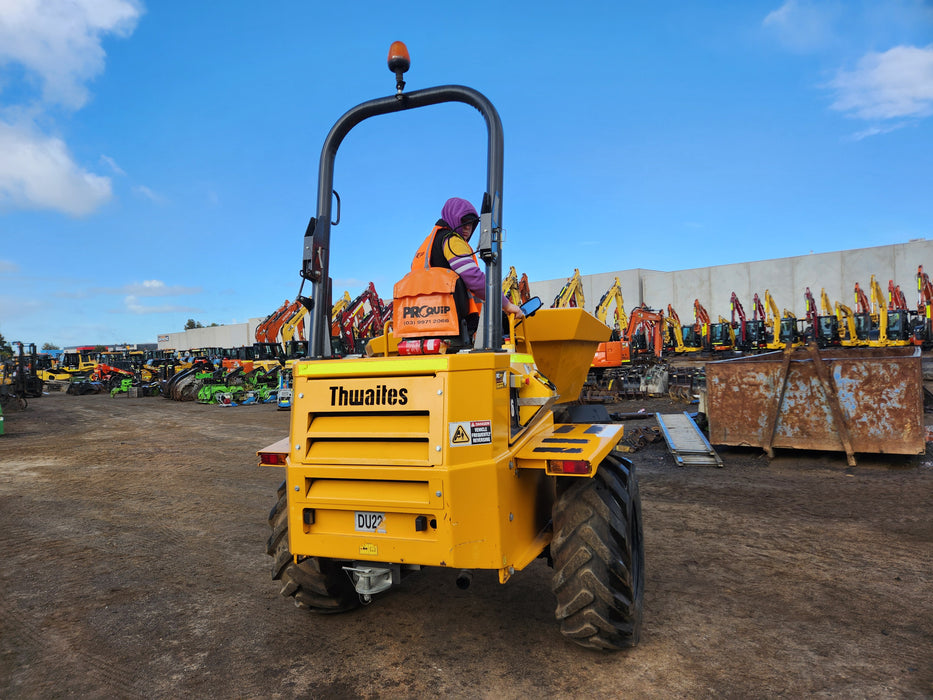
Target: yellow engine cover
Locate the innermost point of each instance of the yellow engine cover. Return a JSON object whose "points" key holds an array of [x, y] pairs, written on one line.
{"points": [[411, 460]]}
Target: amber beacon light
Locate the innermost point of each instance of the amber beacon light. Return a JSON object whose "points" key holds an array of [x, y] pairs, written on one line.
{"points": [[399, 63]]}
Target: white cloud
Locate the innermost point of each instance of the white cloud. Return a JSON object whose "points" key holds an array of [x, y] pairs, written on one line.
{"points": [[57, 46], [37, 172], [59, 41], [157, 288], [149, 194], [146, 288], [802, 26], [894, 84], [132, 305], [112, 164], [7, 266]]}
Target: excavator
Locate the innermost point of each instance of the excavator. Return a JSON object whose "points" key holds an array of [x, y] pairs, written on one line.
{"points": [[683, 339], [823, 327], [897, 301], [783, 327], [848, 329], [701, 325], [645, 333], [467, 453], [615, 351], [517, 290], [896, 298], [866, 324], [750, 332], [570, 295], [923, 333], [293, 333], [353, 331], [722, 336], [893, 325], [263, 327]]}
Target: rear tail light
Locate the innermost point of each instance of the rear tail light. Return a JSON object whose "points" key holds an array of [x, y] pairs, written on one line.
{"points": [[272, 459], [569, 466]]}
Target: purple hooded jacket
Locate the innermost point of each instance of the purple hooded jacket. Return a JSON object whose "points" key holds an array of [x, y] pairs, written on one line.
{"points": [[453, 214]]}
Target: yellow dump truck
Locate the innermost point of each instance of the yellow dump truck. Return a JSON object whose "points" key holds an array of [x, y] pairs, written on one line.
{"points": [[474, 459]]}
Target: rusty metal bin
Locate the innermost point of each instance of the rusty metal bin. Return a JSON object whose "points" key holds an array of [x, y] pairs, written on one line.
{"points": [[846, 399]]}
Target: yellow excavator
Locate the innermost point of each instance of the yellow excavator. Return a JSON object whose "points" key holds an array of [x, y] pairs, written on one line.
{"points": [[783, 326], [471, 458], [684, 340], [848, 329], [893, 326], [517, 290], [570, 295]]}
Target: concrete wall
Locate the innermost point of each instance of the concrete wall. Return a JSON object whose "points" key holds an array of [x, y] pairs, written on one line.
{"points": [[785, 278], [231, 336]]}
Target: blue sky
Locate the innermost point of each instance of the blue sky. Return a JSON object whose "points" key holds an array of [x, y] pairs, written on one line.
{"points": [[158, 161]]}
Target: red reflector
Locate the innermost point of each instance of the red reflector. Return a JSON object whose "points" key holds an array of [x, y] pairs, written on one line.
{"points": [[272, 458], [426, 346], [569, 466]]}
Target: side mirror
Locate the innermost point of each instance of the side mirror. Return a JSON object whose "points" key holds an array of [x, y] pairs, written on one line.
{"points": [[531, 306]]}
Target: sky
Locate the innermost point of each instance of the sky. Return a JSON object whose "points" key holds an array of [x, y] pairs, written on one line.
{"points": [[158, 160]]}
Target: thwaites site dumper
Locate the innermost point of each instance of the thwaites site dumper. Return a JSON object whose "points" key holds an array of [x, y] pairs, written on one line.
{"points": [[470, 459]]}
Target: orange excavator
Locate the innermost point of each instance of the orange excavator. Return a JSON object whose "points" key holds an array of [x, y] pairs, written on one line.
{"points": [[645, 333], [263, 327]]}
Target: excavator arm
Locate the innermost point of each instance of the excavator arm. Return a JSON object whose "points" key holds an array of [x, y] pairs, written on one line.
{"points": [[651, 323], [847, 324], [571, 294], [701, 323], [510, 286], [774, 320], [613, 294]]}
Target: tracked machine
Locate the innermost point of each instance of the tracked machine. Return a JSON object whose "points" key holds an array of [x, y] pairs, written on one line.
{"points": [[467, 458]]}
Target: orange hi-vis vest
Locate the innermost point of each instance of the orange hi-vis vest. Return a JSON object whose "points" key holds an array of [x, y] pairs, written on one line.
{"points": [[423, 300]]}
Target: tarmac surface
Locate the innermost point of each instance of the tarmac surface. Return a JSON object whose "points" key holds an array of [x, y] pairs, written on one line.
{"points": [[132, 541]]}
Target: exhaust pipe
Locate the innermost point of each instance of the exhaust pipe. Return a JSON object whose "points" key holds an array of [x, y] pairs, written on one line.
{"points": [[464, 578]]}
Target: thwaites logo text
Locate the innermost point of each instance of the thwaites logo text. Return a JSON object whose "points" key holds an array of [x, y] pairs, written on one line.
{"points": [[424, 311], [379, 395]]}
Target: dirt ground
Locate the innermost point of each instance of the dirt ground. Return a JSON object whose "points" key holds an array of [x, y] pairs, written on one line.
{"points": [[132, 541]]}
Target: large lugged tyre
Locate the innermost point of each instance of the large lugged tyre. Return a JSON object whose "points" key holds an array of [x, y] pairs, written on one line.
{"points": [[320, 585], [599, 557]]}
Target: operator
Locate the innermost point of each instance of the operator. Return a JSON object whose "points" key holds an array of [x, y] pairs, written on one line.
{"points": [[450, 248]]}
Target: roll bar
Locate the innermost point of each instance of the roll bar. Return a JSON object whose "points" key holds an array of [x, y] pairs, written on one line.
{"points": [[316, 256]]}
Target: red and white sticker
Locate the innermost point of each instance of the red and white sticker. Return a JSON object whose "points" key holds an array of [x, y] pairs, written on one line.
{"points": [[471, 432]]}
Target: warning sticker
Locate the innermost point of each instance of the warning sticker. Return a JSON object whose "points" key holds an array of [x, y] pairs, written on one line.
{"points": [[474, 432]]}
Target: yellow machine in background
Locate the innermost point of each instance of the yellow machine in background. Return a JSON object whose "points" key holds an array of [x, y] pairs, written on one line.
{"points": [[472, 460], [571, 294]]}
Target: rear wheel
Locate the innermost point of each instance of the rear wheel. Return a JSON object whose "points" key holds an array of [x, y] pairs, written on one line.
{"points": [[598, 555], [318, 584]]}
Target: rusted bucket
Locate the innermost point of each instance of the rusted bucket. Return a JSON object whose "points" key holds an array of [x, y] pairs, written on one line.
{"points": [[848, 399]]}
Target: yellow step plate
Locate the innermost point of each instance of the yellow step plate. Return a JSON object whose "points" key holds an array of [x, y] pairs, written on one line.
{"points": [[590, 443]]}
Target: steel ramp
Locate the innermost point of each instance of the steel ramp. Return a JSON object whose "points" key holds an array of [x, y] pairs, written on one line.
{"points": [[686, 441]]}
